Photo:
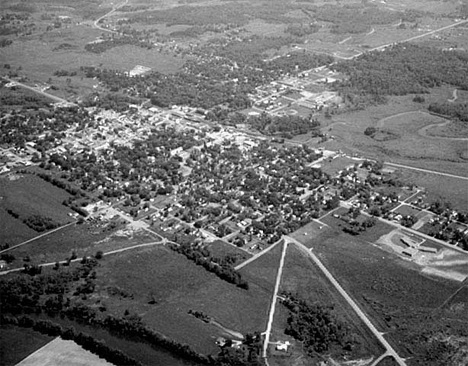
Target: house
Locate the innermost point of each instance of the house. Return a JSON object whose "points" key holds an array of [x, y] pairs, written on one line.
{"points": [[283, 346], [3, 265]]}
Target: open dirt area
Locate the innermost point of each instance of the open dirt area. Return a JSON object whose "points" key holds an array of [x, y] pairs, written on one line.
{"points": [[445, 263]]}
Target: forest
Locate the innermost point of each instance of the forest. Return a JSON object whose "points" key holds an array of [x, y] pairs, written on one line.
{"points": [[400, 70], [313, 324]]}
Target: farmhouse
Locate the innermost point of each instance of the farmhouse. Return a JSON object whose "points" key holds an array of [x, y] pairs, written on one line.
{"points": [[283, 346]]}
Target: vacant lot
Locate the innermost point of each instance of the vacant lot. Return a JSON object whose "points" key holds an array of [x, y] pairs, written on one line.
{"points": [[167, 285], [18, 343]]}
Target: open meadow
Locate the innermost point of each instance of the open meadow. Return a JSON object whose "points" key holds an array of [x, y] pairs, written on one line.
{"points": [[167, 285], [400, 136], [83, 240], [398, 298], [301, 276]]}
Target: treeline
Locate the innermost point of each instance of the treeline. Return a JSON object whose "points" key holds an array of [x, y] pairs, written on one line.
{"points": [[86, 341], [286, 126], [301, 30], [107, 44], [50, 292], [202, 257], [36, 222], [313, 325], [400, 70], [456, 110]]}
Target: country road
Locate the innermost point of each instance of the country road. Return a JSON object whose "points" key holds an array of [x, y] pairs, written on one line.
{"points": [[37, 237], [274, 300], [35, 89], [96, 22], [159, 242], [390, 351], [426, 170]]}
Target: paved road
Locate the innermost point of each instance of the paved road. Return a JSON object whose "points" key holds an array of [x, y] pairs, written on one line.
{"points": [[274, 301], [426, 170], [389, 349], [258, 255], [96, 22], [35, 89]]}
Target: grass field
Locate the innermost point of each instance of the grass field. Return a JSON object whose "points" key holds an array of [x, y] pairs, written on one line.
{"points": [[391, 291], [13, 230], [18, 343], [29, 195], [177, 285], [300, 275], [83, 239]]}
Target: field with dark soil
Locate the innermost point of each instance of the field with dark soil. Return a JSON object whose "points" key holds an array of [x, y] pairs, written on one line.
{"points": [[167, 285], [18, 343], [400, 300]]}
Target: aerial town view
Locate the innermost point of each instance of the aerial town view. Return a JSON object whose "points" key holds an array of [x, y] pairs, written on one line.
{"points": [[234, 182]]}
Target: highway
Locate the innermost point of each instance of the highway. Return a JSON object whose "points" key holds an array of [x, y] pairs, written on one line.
{"points": [[390, 351]]}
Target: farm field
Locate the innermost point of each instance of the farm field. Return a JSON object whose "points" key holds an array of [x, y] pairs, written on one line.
{"points": [[17, 343], [390, 290], [59, 351], [174, 285]]}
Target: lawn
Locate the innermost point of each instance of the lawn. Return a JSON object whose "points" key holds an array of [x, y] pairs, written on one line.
{"points": [[18, 343], [174, 285], [406, 210]]}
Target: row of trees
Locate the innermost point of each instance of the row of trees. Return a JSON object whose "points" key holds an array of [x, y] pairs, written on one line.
{"points": [[202, 257], [86, 341]]}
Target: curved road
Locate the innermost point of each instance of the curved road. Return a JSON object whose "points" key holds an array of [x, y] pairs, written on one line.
{"points": [[96, 22]]}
